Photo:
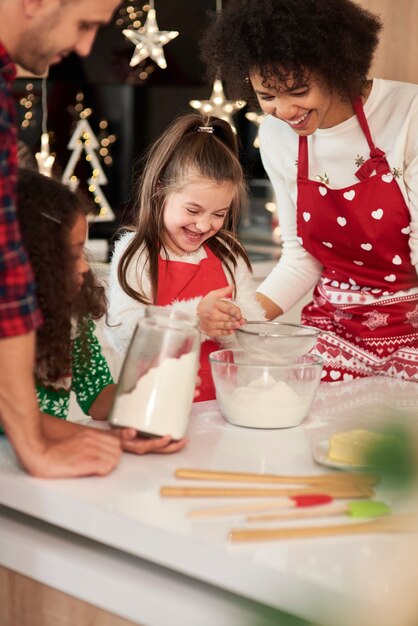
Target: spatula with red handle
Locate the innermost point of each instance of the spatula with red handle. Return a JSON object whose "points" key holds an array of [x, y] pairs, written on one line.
{"points": [[294, 502]]}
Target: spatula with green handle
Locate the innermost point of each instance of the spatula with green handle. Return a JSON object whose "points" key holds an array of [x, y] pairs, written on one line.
{"points": [[356, 508]]}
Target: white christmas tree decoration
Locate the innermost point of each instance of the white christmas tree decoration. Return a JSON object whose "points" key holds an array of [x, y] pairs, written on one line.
{"points": [[149, 41], [83, 139], [218, 105]]}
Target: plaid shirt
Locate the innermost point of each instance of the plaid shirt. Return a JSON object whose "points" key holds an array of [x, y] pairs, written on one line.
{"points": [[19, 312]]}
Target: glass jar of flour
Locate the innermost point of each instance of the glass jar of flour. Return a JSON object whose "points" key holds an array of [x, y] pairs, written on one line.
{"points": [[158, 377]]}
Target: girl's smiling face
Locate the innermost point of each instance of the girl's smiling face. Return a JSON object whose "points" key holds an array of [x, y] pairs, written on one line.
{"points": [[195, 213], [303, 108], [78, 235]]}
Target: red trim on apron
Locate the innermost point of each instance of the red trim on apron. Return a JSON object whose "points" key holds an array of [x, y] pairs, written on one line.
{"points": [[367, 297], [182, 281]]}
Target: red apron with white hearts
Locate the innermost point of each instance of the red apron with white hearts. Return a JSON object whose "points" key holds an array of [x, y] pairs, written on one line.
{"points": [[367, 297], [183, 281]]}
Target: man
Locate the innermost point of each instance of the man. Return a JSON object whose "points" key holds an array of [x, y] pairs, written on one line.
{"points": [[35, 34]]}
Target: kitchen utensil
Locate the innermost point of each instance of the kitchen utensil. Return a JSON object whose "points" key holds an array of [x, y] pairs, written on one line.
{"points": [[294, 502], [276, 342], [264, 394], [389, 524], [335, 478], [338, 491], [357, 509]]}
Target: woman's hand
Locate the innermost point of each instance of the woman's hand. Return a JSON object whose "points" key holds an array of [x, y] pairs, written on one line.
{"points": [[217, 316], [131, 441]]}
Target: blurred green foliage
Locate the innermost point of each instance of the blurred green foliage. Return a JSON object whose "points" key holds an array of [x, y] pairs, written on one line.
{"points": [[395, 457]]}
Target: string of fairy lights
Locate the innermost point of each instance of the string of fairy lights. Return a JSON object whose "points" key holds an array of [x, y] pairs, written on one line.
{"points": [[96, 148], [28, 103], [138, 24]]}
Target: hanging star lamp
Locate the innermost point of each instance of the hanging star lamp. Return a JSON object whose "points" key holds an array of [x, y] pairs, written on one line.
{"points": [[149, 41], [44, 158], [218, 105]]}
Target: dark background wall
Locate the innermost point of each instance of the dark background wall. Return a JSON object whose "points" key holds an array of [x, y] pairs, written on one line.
{"points": [[137, 110]]}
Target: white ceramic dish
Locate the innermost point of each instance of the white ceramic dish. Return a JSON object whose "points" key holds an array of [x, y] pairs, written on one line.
{"points": [[320, 454]]}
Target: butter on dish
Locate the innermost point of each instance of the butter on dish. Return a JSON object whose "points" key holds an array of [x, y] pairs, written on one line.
{"points": [[353, 446]]}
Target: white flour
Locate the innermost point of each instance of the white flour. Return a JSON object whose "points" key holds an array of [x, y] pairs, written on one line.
{"points": [[161, 401], [264, 404]]}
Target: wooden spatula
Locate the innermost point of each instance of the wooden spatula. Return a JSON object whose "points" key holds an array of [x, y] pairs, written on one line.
{"points": [[336, 491], [389, 524], [334, 478], [294, 502]]}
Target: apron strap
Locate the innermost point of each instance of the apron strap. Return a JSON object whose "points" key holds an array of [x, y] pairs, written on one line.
{"points": [[359, 111], [303, 160], [377, 161]]}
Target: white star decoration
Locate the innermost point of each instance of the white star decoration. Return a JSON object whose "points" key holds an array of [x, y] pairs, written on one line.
{"points": [[44, 159], [218, 105], [149, 41]]}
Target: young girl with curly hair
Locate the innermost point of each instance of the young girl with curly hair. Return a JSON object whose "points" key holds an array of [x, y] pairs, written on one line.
{"points": [[184, 251], [68, 355], [342, 154]]}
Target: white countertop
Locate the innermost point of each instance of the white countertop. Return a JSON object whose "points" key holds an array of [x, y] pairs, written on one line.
{"points": [[332, 581]]}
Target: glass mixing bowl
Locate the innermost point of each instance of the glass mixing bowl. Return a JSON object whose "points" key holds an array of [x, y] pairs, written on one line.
{"points": [[264, 395], [276, 341]]}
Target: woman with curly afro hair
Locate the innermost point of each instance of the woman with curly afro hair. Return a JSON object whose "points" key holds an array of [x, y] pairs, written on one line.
{"points": [[68, 355], [341, 151]]}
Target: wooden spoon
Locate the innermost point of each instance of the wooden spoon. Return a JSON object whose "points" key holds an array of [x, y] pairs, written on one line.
{"points": [[335, 478]]}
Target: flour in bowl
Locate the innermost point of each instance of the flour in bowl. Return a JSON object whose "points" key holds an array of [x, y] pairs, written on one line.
{"points": [[264, 404]]}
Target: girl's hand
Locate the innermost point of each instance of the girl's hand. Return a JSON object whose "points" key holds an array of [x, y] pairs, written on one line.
{"points": [[198, 383], [219, 317], [131, 441]]}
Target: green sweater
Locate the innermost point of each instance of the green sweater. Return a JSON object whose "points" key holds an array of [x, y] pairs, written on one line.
{"points": [[86, 386]]}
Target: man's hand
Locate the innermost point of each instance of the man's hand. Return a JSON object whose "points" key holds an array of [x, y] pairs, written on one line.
{"points": [[87, 452], [82, 453], [218, 317]]}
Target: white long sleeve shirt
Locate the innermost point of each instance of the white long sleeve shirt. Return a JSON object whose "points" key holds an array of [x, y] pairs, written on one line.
{"points": [[124, 312], [392, 114]]}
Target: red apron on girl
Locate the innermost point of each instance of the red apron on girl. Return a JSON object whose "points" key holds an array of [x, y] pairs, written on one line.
{"points": [[183, 281], [367, 297]]}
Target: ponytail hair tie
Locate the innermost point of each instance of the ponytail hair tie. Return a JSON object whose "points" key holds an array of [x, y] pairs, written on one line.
{"points": [[205, 129]]}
